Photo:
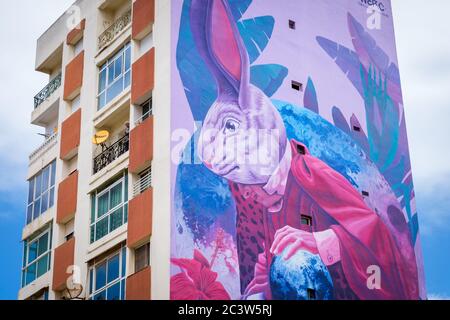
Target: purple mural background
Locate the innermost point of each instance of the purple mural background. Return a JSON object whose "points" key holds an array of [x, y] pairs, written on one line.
{"points": [[204, 241]]}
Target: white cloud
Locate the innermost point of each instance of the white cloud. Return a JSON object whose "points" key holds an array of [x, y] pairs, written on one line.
{"points": [[21, 24]]}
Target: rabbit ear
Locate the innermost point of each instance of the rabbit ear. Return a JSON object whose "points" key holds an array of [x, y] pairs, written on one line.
{"points": [[221, 46]]}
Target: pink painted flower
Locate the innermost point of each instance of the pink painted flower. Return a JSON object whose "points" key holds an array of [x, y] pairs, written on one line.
{"points": [[196, 281]]}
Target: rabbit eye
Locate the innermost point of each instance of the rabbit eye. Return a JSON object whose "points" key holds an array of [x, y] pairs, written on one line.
{"points": [[231, 126]]}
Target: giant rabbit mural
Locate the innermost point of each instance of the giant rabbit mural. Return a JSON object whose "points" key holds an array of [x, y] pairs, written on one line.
{"points": [[326, 211]]}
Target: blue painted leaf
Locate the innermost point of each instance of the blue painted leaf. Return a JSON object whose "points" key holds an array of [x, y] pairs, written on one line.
{"points": [[371, 54], [238, 7], [339, 120], [310, 97], [256, 34], [346, 59], [199, 84], [268, 77]]}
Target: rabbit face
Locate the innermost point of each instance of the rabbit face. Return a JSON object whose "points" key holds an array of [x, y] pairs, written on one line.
{"points": [[243, 146], [243, 137]]}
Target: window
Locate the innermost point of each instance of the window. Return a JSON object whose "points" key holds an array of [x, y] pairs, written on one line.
{"points": [[147, 109], [311, 294], [306, 220], [142, 257], [41, 192], [292, 24], [109, 208], [107, 277], [114, 76], [297, 86], [41, 295], [36, 257]]}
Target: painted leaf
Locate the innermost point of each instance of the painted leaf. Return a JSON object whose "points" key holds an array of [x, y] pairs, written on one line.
{"points": [[371, 54], [256, 34], [238, 7], [347, 60], [268, 77], [339, 120], [310, 98]]}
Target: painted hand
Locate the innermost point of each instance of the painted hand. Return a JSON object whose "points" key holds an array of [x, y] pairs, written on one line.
{"points": [[260, 283], [294, 239]]}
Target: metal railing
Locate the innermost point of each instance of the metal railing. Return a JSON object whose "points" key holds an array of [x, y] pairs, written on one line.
{"points": [[48, 143], [143, 118], [111, 153], [53, 85], [112, 31], [143, 183]]}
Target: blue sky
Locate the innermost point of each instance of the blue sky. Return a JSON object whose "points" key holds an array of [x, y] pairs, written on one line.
{"points": [[424, 53]]}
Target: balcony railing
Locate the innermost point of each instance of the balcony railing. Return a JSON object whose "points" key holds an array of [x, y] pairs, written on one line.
{"points": [[111, 153], [47, 91], [118, 26], [49, 142], [143, 183]]}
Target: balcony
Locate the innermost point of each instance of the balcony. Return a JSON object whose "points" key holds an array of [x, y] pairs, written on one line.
{"points": [[46, 103], [110, 154], [42, 149], [143, 183], [115, 29], [47, 91]]}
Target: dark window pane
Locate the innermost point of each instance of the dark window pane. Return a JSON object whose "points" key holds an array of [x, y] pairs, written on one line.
{"points": [[30, 275], [122, 293], [101, 228], [127, 58], [124, 261], [111, 73], [113, 268], [142, 257], [42, 265], [52, 197], [100, 276], [118, 67], [115, 196], [102, 100], [32, 252], [43, 244], [91, 280], [31, 191], [37, 208], [127, 80], [103, 205], [102, 81], [92, 233], [44, 202], [116, 219], [30, 213], [114, 90], [53, 175], [114, 292], [45, 179], [38, 185]]}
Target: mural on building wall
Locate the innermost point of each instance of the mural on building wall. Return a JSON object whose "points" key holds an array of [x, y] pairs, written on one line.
{"points": [[272, 200]]}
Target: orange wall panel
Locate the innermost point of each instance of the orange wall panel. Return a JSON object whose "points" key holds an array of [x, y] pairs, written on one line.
{"points": [[143, 18], [64, 257], [140, 218], [74, 77], [139, 285], [143, 77], [141, 146], [76, 33], [70, 135], [67, 198]]}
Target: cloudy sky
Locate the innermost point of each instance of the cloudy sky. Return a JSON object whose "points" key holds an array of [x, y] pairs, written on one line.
{"points": [[423, 41]]}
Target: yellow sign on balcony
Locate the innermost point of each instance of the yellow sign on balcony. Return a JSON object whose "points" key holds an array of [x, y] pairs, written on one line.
{"points": [[100, 137]]}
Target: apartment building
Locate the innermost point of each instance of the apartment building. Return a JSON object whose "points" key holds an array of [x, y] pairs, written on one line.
{"points": [[90, 206], [221, 149]]}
